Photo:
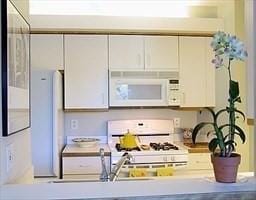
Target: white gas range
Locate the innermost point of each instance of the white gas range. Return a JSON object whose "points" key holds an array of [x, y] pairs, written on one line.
{"points": [[156, 135]]}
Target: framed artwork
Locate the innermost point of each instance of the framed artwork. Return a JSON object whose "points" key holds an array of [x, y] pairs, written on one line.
{"points": [[15, 41]]}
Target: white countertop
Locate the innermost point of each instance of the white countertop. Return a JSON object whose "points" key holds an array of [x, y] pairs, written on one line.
{"points": [[85, 190], [74, 150]]}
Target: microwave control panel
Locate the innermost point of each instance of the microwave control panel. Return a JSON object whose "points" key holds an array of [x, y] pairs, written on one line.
{"points": [[174, 93]]}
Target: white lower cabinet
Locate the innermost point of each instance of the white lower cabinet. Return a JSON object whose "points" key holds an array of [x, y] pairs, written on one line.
{"points": [[88, 167], [199, 161]]}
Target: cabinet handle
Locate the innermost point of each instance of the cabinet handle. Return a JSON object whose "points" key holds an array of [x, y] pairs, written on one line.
{"points": [[139, 59], [83, 166]]}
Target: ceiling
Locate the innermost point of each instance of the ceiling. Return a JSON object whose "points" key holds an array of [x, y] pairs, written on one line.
{"points": [[140, 8]]}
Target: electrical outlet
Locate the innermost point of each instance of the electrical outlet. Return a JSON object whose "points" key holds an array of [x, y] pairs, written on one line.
{"points": [[176, 122], [74, 124], [9, 157]]}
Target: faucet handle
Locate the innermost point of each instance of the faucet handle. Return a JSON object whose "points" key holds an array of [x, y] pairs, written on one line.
{"points": [[101, 152], [128, 157]]}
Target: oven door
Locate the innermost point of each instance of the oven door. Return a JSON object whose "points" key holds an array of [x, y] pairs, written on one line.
{"points": [[150, 165], [138, 92]]}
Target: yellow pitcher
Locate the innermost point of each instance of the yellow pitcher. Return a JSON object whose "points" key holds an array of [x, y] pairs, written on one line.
{"points": [[128, 141]]}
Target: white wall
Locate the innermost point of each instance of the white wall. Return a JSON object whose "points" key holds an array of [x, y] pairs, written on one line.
{"points": [[95, 123], [250, 31], [22, 168]]}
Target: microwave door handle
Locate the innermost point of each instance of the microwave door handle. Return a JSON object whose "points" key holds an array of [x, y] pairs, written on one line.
{"points": [[168, 93], [183, 97]]}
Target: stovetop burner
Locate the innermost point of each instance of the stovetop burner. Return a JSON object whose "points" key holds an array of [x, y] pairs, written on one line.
{"points": [[163, 146], [119, 148]]}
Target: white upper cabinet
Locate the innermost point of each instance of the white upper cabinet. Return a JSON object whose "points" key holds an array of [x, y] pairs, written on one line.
{"points": [[197, 75], [161, 53], [210, 74], [126, 52], [86, 71], [134, 52], [47, 51]]}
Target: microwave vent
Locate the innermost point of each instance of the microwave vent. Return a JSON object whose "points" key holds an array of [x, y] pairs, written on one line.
{"points": [[145, 74], [169, 75], [133, 74]]}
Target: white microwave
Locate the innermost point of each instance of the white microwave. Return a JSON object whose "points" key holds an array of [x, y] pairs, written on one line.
{"points": [[143, 88]]}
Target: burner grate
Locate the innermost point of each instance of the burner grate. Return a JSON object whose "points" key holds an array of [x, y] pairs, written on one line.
{"points": [[119, 148], [163, 146]]}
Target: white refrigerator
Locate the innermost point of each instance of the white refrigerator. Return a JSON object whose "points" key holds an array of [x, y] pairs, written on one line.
{"points": [[47, 122]]}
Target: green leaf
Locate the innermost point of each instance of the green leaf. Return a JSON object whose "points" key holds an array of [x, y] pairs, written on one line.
{"points": [[221, 111], [241, 113], [230, 143], [197, 128], [226, 136], [213, 144], [220, 137], [229, 110], [238, 99], [212, 112], [211, 132], [223, 126], [233, 89], [240, 131]]}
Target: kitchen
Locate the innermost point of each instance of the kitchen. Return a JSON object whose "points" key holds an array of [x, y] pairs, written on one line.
{"points": [[90, 123]]}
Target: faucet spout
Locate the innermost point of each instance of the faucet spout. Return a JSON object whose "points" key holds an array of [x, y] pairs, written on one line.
{"points": [[104, 176], [117, 168]]}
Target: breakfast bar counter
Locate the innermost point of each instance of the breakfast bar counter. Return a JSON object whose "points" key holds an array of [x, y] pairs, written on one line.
{"points": [[185, 188]]}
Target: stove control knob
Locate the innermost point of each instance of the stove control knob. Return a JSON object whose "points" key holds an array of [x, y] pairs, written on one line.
{"points": [[165, 158]]}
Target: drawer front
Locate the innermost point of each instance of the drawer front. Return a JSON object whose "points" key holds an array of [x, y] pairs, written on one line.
{"points": [[84, 165], [82, 176], [199, 161]]}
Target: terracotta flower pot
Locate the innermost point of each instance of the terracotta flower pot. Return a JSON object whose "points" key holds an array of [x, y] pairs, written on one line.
{"points": [[225, 168]]}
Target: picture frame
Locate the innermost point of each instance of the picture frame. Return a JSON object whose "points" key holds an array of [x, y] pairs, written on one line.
{"points": [[15, 74]]}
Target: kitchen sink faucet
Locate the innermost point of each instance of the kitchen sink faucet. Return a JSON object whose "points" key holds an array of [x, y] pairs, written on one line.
{"points": [[104, 176]]}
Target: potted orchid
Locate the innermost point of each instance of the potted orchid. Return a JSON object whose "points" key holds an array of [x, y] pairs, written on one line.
{"points": [[227, 48]]}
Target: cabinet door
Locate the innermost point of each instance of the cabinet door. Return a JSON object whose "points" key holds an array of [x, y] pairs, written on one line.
{"points": [[47, 51], [126, 52], [199, 161], [161, 53], [210, 74], [84, 167], [192, 71], [86, 72]]}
